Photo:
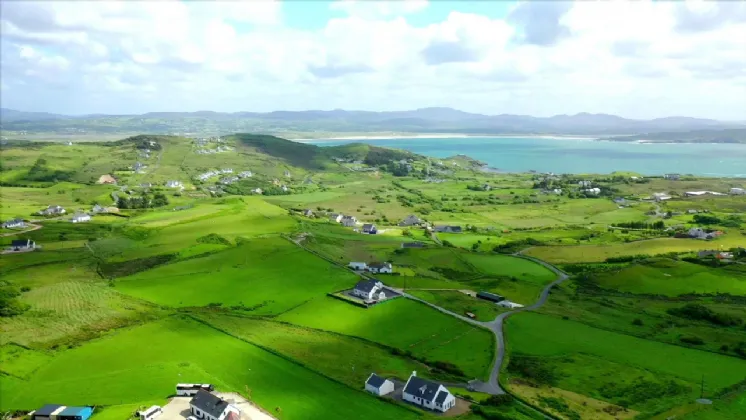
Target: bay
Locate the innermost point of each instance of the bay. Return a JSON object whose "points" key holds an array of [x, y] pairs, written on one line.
{"points": [[568, 155]]}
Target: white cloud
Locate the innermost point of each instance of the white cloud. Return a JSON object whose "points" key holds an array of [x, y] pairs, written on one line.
{"points": [[587, 56]]}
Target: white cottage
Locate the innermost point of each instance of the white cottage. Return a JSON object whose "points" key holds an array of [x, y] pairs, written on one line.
{"points": [[378, 386], [427, 394], [81, 218], [15, 223], [359, 266], [208, 406], [382, 268], [349, 221], [369, 290]]}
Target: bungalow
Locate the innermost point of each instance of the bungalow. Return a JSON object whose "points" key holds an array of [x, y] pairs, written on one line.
{"points": [[411, 220], [369, 290], [738, 191], [592, 191], [81, 218], [207, 406], [22, 244], [370, 229], [378, 386], [15, 223], [672, 177], [335, 217], [490, 296], [308, 213], [448, 229], [256, 191], [585, 184], [427, 394], [358, 266], [53, 211], [382, 268], [174, 184], [349, 221]]}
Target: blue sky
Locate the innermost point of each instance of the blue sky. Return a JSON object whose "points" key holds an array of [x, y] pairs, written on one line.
{"points": [[642, 59]]}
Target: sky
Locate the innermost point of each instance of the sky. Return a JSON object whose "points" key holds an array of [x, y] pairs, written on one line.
{"points": [[642, 59]]}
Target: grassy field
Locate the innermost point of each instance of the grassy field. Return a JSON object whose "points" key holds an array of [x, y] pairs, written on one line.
{"points": [[406, 325], [673, 278], [504, 265], [535, 334], [255, 275], [596, 253], [460, 303], [120, 369]]}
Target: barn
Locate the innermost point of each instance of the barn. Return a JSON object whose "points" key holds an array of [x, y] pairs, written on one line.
{"points": [[490, 296], [75, 413]]}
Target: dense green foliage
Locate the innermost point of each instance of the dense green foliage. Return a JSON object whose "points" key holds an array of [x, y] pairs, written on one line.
{"points": [[697, 312]]}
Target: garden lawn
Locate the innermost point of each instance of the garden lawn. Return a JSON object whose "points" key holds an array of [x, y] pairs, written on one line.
{"points": [[144, 363], [505, 265], [269, 276], [406, 325], [546, 336]]}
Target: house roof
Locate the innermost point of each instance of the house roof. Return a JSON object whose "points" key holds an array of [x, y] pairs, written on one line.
{"points": [[375, 380], [20, 242], [441, 397], [368, 226], [366, 285], [209, 403], [73, 411], [421, 388], [379, 265], [14, 221], [47, 409]]}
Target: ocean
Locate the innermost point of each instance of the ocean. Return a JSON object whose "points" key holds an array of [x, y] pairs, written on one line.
{"points": [[567, 155]]}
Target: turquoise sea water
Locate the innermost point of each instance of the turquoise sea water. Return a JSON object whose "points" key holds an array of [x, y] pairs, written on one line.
{"points": [[521, 154]]}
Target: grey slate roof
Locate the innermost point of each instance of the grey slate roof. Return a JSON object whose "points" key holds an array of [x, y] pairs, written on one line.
{"points": [[46, 410], [365, 285], [209, 403], [368, 226], [421, 388], [20, 242], [378, 265], [375, 380], [441, 397]]}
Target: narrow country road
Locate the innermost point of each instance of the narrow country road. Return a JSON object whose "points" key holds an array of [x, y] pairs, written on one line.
{"points": [[33, 228]]}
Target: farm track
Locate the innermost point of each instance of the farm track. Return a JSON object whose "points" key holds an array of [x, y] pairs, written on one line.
{"points": [[34, 227], [492, 386]]}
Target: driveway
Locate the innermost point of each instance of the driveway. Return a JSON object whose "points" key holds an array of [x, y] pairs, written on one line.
{"points": [[178, 408]]}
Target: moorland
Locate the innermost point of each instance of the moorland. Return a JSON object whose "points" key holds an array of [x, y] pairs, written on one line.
{"points": [[218, 260]]}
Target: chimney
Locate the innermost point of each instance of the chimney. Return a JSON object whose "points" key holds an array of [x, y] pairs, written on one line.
{"points": [[414, 373]]}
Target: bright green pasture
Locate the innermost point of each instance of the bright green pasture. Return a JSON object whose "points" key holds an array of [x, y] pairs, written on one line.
{"points": [[24, 202], [404, 324], [270, 275], [596, 253], [144, 363], [20, 361], [460, 303], [673, 278], [347, 359], [505, 265], [546, 336]]}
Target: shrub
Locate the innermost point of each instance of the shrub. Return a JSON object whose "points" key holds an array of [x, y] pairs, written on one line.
{"points": [[697, 312], [535, 369], [638, 322], [497, 400], [692, 340]]}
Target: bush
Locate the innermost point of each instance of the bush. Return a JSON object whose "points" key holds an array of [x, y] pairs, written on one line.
{"points": [[692, 340], [213, 238], [638, 322], [697, 312], [535, 369], [497, 400]]}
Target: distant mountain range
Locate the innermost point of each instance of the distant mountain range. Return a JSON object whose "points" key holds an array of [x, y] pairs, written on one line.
{"points": [[425, 120]]}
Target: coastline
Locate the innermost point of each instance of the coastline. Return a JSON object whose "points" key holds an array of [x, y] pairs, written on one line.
{"points": [[445, 136]]}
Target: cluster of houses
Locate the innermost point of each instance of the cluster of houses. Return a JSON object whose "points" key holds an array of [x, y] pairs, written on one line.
{"points": [[699, 233], [52, 210], [375, 267], [719, 255], [209, 174], [418, 391]]}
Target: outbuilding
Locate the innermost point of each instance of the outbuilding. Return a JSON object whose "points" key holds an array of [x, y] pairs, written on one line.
{"points": [[47, 412], [378, 386], [75, 413], [490, 296]]}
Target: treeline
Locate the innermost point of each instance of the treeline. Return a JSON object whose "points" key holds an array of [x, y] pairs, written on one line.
{"points": [[697, 312], [9, 303], [706, 219], [143, 202], [659, 225]]}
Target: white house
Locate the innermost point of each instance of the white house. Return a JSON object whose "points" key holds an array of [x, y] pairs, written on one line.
{"points": [[557, 191], [378, 386], [370, 229], [15, 223], [427, 394], [245, 174], [411, 220], [737, 191], [661, 196], [81, 218], [349, 221], [335, 217], [358, 266], [256, 191], [53, 211], [592, 191], [173, 184], [22, 244], [585, 183], [383, 268], [508, 304], [369, 290], [207, 406]]}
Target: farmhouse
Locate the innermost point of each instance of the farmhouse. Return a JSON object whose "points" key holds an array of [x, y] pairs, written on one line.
{"points": [[411, 220], [81, 218], [381, 268], [672, 177], [370, 229], [448, 229], [427, 394], [378, 386], [208, 406], [335, 217], [14, 223], [106, 179], [490, 296], [349, 221], [358, 266], [369, 290], [737, 191], [53, 211], [700, 233]]}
